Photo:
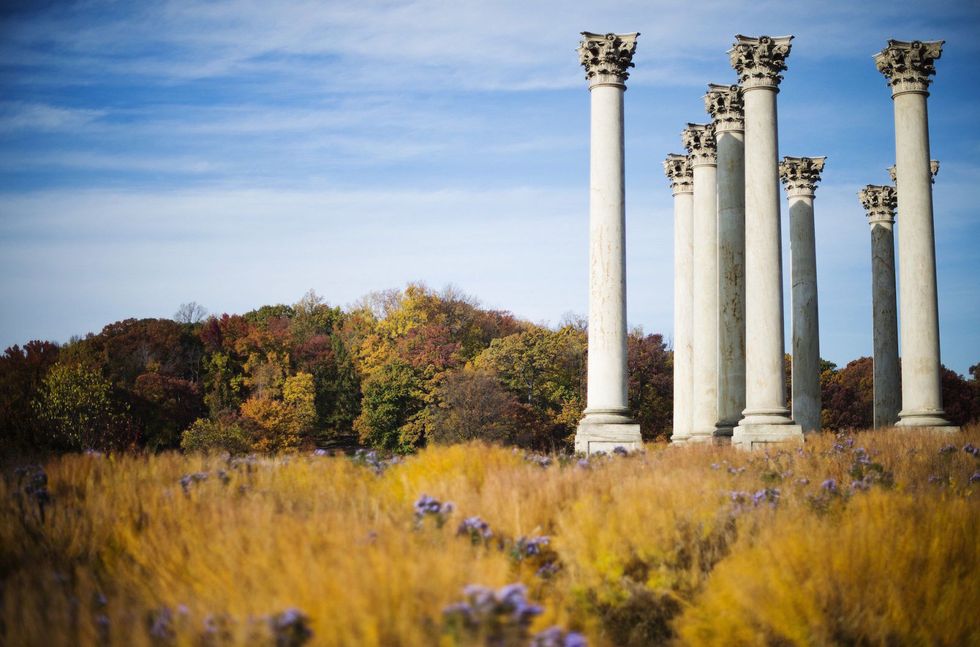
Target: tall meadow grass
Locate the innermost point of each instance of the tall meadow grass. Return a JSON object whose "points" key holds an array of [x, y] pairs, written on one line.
{"points": [[867, 539]]}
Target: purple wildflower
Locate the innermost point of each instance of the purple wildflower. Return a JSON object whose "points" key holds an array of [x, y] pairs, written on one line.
{"points": [[320, 452], [739, 497], [803, 481], [971, 449], [531, 546], [556, 637], [189, 479], [975, 478], [290, 628], [947, 449], [583, 463], [619, 450], [830, 485], [768, 495], [477, 529], [736, 470]]}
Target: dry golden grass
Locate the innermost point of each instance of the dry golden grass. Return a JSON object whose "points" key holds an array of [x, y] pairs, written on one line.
{"points": [[666, 546]]}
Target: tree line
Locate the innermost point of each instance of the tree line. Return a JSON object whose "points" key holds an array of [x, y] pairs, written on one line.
{"points": [[398, 370]]}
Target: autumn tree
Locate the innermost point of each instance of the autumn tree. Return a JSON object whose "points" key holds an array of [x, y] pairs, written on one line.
{"points": [[22, 372], [77, 404], [474, 405]]}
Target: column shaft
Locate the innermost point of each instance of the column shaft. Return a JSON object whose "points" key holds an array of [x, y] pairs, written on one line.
{"points": [[884, 326], [731, 280], [921, 381], [607, 387], [765, 398], [806, 334], [683, 314], [705, 356]]}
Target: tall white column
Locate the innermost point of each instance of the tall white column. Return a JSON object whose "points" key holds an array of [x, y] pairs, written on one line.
{"points": [[766, 419], [724, 104], [699, 140], [879, 203], [679, 172], [607, 423], [908, 66], [800, 176]]}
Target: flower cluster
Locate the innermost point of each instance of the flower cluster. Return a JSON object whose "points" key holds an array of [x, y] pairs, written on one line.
{"points": [[371, 460], [947, 449], [427, 506], [542, 460], [557, 637], [530, 546], [187, 480], [291, 628], [476, 528], [972, 449], [765, 495], [500, 617]]}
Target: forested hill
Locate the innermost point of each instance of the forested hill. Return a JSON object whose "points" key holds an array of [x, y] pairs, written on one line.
{"points": [[394, 372]]}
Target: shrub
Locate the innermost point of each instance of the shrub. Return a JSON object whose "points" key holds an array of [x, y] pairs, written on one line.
{"points": [[206, 435]]}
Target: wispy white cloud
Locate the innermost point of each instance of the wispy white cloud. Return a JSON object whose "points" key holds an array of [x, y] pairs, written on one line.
{"points": [[21, 116]]}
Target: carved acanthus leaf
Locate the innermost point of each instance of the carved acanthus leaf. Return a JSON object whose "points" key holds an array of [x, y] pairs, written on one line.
{"points": [[607, 55], [879, 201], [933, 170], [759, 61], [699, 140], [724, 104], [801, 174], [678, 170], [908, 65]]}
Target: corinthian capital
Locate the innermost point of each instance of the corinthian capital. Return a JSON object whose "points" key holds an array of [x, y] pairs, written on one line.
{"points": [[759, 61], [908, 66], [607, 57], [678, 170], [879, 202], [801, 174], [724, 104], [933, 170], [699, 140]]}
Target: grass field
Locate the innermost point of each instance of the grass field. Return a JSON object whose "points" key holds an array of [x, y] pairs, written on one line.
{"points": [[869, 539]]}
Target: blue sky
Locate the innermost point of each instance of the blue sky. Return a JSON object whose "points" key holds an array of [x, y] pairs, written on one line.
{"points": [[240, 153]]}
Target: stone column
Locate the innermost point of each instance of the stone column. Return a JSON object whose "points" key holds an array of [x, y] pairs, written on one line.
{"points": [[879, 203], [679, 172], [758, 62], [800, 176], [908, 66], [607, 423], [724, 104], [699, 140]]}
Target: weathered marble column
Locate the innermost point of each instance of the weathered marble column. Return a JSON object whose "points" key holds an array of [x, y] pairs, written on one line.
{"points": [[800, 176], [679, 172], [607, 423], [758, 62], [724, 104], [699, 140], [879, 203], [908, 66]]}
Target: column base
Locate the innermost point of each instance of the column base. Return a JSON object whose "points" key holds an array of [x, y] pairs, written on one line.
{"points": [[605, 430], [918, 419], [754, 436]]}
